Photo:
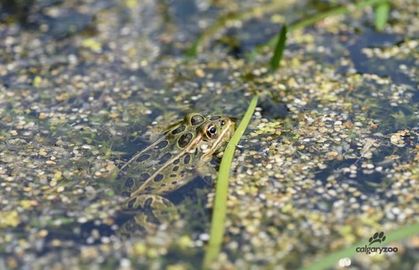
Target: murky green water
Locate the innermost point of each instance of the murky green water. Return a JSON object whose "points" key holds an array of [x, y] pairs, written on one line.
{"points": [[329, 158]]}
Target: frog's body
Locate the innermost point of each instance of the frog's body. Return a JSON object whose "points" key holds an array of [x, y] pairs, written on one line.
{"points": [[171, 162]]}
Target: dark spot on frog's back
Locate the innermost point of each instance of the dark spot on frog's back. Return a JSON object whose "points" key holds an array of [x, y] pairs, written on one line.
{"points": [[178, 130], [144, 176], [161, 145], [131, 203], [187, 159], [158, 177], [143, 157], [184, 140], [165, 158], [197, 119], [129, 183]]}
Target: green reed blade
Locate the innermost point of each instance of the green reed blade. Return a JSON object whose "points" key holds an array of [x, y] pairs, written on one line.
{"points": [[381, 15], [279, 48], [221, 190]]}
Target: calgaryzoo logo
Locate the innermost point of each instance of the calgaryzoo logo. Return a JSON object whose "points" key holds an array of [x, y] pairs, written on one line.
{"points": [[378, 237]]}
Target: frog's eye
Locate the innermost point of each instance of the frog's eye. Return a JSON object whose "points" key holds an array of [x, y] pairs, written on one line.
{"points": [[211, 131]]}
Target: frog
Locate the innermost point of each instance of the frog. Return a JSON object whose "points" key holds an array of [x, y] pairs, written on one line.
{"points": [[183, 151]]}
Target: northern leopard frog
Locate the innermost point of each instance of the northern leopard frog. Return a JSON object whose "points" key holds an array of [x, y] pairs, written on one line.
{"points": [[183, 151]]}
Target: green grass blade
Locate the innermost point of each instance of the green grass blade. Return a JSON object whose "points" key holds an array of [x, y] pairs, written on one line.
{"points": [[339, 10], [392, 236], [381, 15], [300, 24], [192, 51], [221, 190], [279, 48]]}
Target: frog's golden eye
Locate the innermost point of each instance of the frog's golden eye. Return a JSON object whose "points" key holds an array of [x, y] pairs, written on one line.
{"points": [[211, 131]]}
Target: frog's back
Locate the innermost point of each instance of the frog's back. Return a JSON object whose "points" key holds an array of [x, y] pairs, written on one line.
{"points": [[164, 165]]}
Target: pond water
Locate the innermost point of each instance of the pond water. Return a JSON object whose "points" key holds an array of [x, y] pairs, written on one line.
{"points": [[330, 156]]}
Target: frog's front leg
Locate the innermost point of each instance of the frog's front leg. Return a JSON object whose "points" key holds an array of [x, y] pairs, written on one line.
{"points": [[149, 211], [207, 172]]}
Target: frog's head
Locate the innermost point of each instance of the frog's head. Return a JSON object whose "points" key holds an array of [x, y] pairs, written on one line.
{"points": [[216, 131]]}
